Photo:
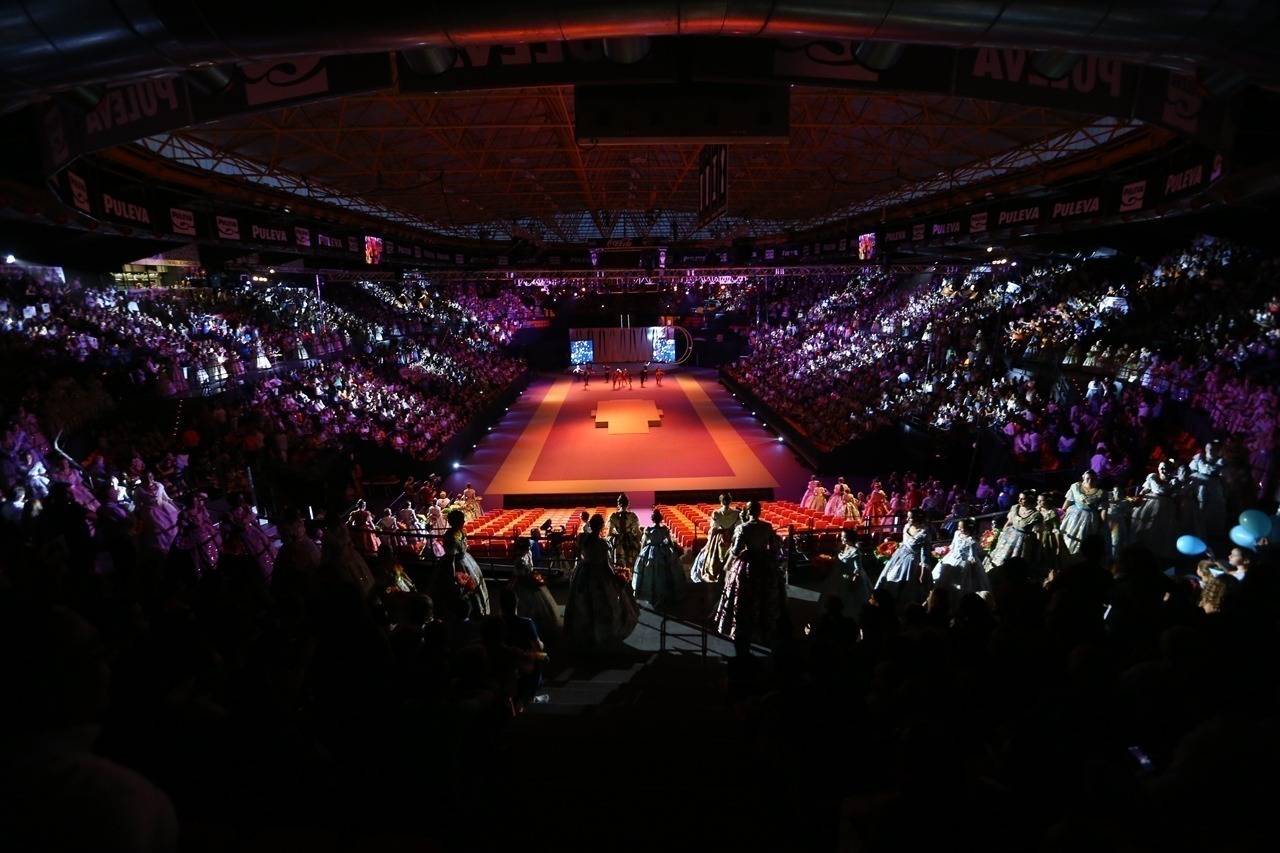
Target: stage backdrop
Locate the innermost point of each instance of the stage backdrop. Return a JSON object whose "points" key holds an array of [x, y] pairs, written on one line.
{"points": [[621, 345]]}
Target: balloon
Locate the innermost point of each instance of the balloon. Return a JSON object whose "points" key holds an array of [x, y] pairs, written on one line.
{"points": [[1191, 546], [1242, 537], [1256, 522]]}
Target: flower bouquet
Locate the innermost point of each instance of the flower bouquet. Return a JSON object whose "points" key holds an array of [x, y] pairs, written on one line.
{"points": [[886, 548], [941, 551], [465, 583], [623, 573], [989, 539]]}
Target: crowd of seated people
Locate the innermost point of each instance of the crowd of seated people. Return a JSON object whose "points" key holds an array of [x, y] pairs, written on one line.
{"points": [[966, 355]]}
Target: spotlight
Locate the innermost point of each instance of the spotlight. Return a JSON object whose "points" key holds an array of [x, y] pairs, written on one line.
{"points": [[781, 440], [456, 466]]}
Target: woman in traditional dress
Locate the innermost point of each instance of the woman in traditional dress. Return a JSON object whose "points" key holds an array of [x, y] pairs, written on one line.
{"points": [[601, 608], [471, 503], [960, 569], [876, 510], [389, 530], [711, 562], [157, 515], [437, 525], [818, 500], [241, 526], [198, 536], [1155, 521], [852, 510], [624, 534], [1018, 536], [659, 577], [64, 471], [459, 575], [907, 573], [532, 596], [813, 486], [1207, 492], [835, 505], [365, 530], [849, 580], [754, 585], [1086, 512]]}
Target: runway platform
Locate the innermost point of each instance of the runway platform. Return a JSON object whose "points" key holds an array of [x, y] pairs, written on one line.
{"points": [[685, 440]]}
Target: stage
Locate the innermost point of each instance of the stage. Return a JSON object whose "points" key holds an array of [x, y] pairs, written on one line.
{"points": [[563, 443]]}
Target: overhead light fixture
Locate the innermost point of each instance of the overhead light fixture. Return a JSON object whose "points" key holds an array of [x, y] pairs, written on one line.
{"points": [[1221, 82], [879, 55], [210, 79], [627, 50], [430, 60], [1054, 64], [85, 97]]}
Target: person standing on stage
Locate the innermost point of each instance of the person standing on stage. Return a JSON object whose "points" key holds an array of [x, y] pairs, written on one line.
{"points": [[624, 534], [644, 373]]}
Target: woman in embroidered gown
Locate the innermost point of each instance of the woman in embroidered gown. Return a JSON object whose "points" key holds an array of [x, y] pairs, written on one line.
{"points": [[436, 524], [711, 562], [624, 534], [848, 580], [601, 608], [1018, 536], [818, 500], [659, 577], [157, 515], [1086, 512], [364, 529], [813, 486], [389, 530], [876, 510], [852, 509], [835, 505], [907, 573], [754, 585], [198, 536], [961, 568], [1155, 521], [241, 526], [532, 596], [1207, 492], [471, 503], [63, 471], [447, 584]]}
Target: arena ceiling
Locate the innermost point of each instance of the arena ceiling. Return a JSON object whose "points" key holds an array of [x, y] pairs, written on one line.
{"points": [[508, 163]]}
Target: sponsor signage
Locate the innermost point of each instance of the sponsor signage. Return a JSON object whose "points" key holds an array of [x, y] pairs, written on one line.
{"points": [[228, 227], [116, 206]]}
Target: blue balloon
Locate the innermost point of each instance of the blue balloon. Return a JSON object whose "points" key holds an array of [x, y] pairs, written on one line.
{"points": [[1256, 522], [1242, 537], [1191, 546]]}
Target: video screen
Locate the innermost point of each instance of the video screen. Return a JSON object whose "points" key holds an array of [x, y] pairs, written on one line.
{"points": [[372, 250], [664, 350], [582, 352], [866, 246]]}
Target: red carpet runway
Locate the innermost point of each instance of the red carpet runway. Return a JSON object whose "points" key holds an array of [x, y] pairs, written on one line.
{"points": [[688, 435]]}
